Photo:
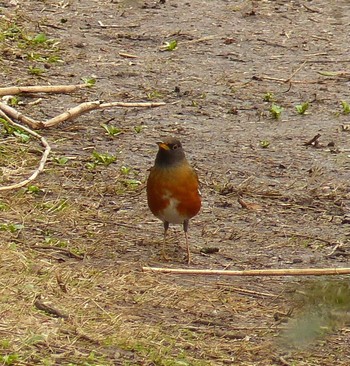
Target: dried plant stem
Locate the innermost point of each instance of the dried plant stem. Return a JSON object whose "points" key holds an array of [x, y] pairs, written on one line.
{"points": [[11, 112], [252, 272], [53, 89], [43, 158], [72, 113], [295, 72]]}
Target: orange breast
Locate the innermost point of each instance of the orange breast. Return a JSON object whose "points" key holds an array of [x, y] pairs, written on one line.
{"points": [[176, 187]]}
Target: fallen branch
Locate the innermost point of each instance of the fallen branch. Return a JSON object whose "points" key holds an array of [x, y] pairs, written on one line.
{"points": [[12, 113], [252, 272], [72, 113], [43, 158], [53, 89]]}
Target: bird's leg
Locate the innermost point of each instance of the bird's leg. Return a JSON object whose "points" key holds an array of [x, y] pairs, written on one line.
{"points": [[185, 226], [166, 227]]}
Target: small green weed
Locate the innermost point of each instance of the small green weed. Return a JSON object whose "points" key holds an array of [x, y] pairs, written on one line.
{"points": [[169, 46], [132, 183], [14, 131], [89, 81], [33, 189], [276, 111], [5, 343], [56, 242], [3, 206], [101, 159], [61, 160], [51, 59], [40, 38], [125, 170], [12, 228], [13, 101], [346, 107], [264, 144], [111, 130], [302, 108], [10, 359], [22, 136], [33, 70], [138, 129]]}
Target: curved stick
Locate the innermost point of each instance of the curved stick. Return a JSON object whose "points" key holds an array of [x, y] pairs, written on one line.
{"points": [[43, 158]]}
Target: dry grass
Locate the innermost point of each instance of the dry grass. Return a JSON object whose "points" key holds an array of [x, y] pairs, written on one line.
{"points": [[114, 314]]}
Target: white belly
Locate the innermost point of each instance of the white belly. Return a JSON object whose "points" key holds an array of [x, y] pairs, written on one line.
{"points": [[170, 214]]}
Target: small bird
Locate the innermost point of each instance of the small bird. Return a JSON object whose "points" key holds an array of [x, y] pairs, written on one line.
{"points": [[173, 188]]}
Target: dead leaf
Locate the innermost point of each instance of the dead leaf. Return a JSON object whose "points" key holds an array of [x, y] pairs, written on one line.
{"points": [[249, 205]]}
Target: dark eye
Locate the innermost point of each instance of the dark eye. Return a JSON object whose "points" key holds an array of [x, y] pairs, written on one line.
{"points": [[175, 147]]}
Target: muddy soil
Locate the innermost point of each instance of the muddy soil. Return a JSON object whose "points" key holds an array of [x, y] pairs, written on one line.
{"points": [[234, 60]]}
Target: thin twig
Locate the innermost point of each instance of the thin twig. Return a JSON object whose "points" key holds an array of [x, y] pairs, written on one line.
{"points": [[43, 158], [263, 77], [64, 250], [198, 40], [132, 105], [307, 237], [284, 361], [311, 9], [336, 246], [117, 25], [295, 72], [247, 292], [273, 44], [127, 55], [252, 272]]}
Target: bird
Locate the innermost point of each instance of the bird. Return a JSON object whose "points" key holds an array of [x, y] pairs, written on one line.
{"points": [[173, 194]]}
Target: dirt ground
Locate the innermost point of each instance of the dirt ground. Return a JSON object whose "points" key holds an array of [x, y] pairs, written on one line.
{"points": [[77, 237]]}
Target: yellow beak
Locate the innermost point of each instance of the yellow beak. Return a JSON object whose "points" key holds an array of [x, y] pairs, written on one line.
{"points": [[163, 146]]}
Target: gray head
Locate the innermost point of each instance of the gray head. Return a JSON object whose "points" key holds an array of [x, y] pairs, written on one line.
{"points": [[170, 153]]}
